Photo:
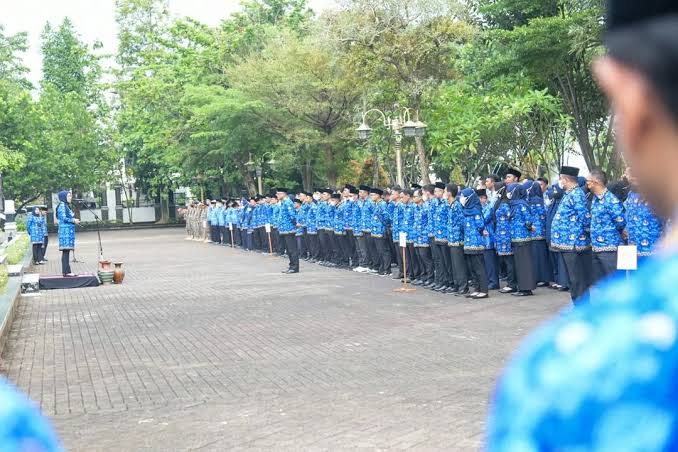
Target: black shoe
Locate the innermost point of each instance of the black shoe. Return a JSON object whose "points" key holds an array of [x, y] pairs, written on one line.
{"points": [[542, 284], [427, 284], [564, 289], [450, 290], [523, 293], [441, 288], [417, 282], [461, 293], [507, 289], [290, 271]]}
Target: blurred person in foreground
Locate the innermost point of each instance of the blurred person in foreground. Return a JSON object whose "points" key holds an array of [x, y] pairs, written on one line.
{"points": [[603, 376]]}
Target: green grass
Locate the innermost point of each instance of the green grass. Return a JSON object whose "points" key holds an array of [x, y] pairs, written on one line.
{"points": [[17, 250], [4, 277]]}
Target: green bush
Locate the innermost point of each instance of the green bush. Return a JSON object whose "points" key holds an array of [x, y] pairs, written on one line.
{"points": [[21, 223], [17, 249], [4, 277]]}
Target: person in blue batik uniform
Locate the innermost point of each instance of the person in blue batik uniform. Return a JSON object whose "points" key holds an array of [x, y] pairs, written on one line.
{"points": [[339, 235], [36, 226], [350, 194], [502, 238], [439, 249], [407, 226], [643, 227], [570, 232], [489, 255], [22, 427], [540, 252], [455, 241], [553, 198], [312, 230], [474, 240], [522, 228], [67, 222], [361, 243], [287, 226], [371, 259], [602, 376], [607, 226], [302, 226], [422, 241], [378, 230], [396, 225], [324, 226], [299, 233]]}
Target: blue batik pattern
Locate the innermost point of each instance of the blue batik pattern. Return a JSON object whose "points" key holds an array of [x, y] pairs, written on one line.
{"points": [[322, 215], [396, 221], [430, 206], [607, 222], [210, 214], [439, 221], [488, 216], [407, 222], [357, 218], [642, 224], [348, 214], [502, 235], [275, 210], [521, 224], [455, 225], [302, 215], [339, 218], [390, 208], [312, 218], [473, 232], [379, 219], [288, 217], [422, 225], [36, 226], [600, 377], [66, 220], [366, 215], [572, 222]]}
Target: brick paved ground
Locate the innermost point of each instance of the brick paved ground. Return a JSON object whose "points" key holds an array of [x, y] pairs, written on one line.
{"points": [[209, 348]]}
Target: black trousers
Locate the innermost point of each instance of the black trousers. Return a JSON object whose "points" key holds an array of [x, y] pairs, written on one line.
{"points": [[44, 247], [215, 234], [225, 239], [578, 266], [302, 242], [477, 266], [325, 245], [381, 247], [338, 248], [438, 264], [352, 244], [524, 267], [458, 261], [362, 248], [65, 262], [256, 239], [604, 264], [426, 263], [37, 251], [346, 250], [491, 266], [372, 253], [413, 268], [314, 246], [399, 258], [292, 250], [509, 265]]}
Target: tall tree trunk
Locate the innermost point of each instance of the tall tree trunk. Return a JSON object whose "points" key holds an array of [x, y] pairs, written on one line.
{"points": [[584, 141], [375, 168], [423, 160], [307, 175], [331, 171]]}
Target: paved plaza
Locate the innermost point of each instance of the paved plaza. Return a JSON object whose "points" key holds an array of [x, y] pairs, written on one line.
{"points": [[209, 348]]}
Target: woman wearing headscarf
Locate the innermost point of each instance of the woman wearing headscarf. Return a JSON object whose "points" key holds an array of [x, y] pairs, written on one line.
{"points": [[67, 222], [521, 229], [474, 241], [502, 238], [540, 253], [554, 195], [35, 226]]}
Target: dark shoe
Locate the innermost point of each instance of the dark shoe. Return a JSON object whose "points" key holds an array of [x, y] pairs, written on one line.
{"points": [[564, 289], [471, 295], [523, 293], [417, 282], [507, 289], [290, 271], [427, 284], [450, 290], [461, 293], [542, 284], [441, 288]]}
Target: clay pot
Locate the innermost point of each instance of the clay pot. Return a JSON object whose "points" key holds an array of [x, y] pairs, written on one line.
{"points": [[118, 273], [105, 265], [106, 277]]}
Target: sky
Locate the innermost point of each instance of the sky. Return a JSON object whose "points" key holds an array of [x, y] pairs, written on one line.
{"points": [[95, 19]]}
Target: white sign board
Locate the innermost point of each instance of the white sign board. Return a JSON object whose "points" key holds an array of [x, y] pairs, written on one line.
{"points": [[403, 239], [627, 257], [267, 226], [230, 226]]}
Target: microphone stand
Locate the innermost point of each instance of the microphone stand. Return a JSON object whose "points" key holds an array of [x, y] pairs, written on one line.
{"points": [[98, 220]]}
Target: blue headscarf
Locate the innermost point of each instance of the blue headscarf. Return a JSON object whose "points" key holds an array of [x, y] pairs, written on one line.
{"points": [[63, 196], [581, 181], [534, 194], [518, 196], [472, 206], [36, 211]]}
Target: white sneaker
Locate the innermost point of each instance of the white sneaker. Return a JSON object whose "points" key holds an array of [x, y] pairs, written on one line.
{"points": [[374, 272], [358, 269]]}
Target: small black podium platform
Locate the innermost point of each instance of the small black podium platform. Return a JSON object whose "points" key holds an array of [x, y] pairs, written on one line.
{"points": [[49, 282]]}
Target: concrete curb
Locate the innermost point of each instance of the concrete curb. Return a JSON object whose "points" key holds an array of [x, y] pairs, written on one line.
{"points": [[8, 303]]}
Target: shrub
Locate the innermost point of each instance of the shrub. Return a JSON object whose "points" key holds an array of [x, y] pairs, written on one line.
{"points": [[17, 249]]}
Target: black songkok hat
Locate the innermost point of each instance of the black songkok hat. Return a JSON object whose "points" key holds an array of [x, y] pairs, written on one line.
{"points": [[416, 186], [336, 196], [349, 187], [377, 191], [569, 171], [364, 187], [281, 190], [481, 192], [440, 185], [326, 190], [622, 13], [515, 172], [353, 190], [307, 193], [297, 200]]}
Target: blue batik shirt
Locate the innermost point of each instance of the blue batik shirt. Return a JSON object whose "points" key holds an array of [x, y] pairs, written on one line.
{"points": [[407, 222], [275, 214], [600, 377], [348, 214], [287, 223], [455, 225], [36, 228], [340, 218], [210, 214], [397, 221], [302, 215], [366, 215], [331, 213], [439, 220], [379, 219], [312, 218], [390, 208], [571, 224], [357, 218], [642, 224], [607, 222], [421, 225], [323, 215], [488, 216], [66, 220], [502, 233]]}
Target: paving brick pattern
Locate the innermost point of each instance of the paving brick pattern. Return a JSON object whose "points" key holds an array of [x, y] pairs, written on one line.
{"points": [[208, 348]]}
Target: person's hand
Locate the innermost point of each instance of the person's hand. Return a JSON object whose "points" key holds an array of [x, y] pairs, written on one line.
{"points": [[485, 233], [625, 235], [76, 221]]}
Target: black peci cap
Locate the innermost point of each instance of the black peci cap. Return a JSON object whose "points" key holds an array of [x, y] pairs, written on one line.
{"points": [[377, 191], [281, 190], [569, 171], [326, 190], [336, 196], [481, 192], [416, 186], [514, 172], [364, 187], [440, 185]]}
